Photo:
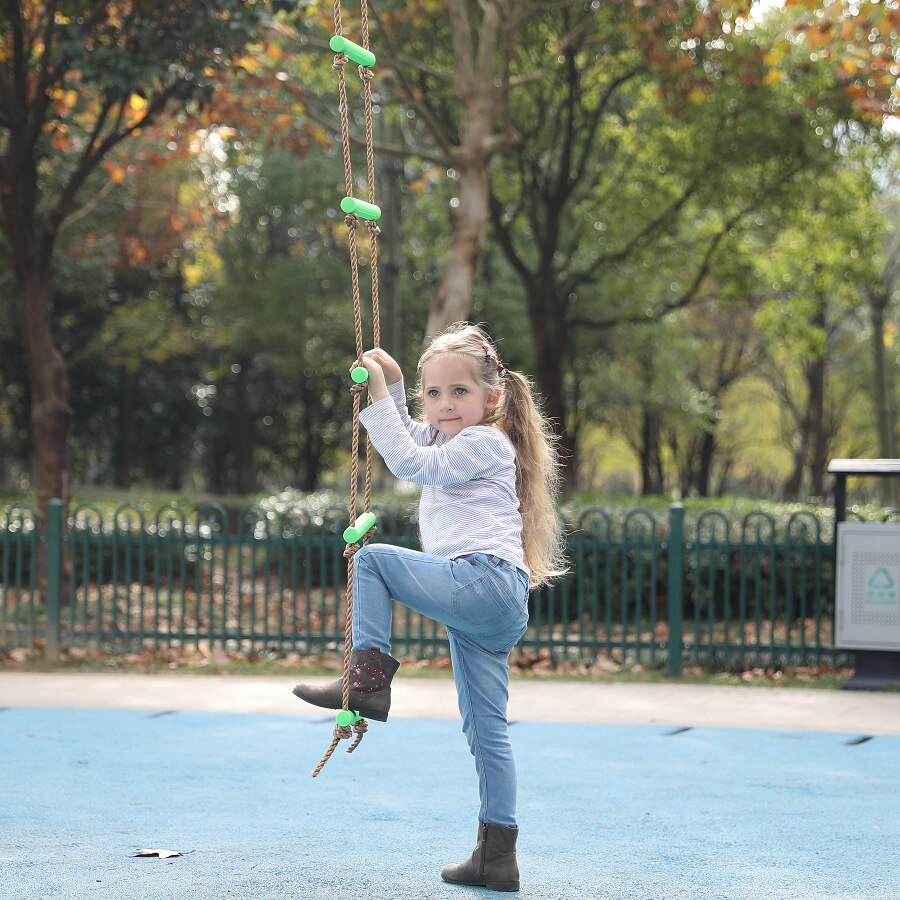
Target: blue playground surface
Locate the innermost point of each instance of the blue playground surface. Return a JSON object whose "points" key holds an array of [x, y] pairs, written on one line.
{"points": [[611, 812]]}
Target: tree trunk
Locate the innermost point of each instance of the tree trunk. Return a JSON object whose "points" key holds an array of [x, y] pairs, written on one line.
{"points": [[453, 297], [885, 413], [791, 489], [652, 476], [815, 376], [819, 438], [51, 414], [550, 340], [704, 468], [245, 428], [124, 459]]}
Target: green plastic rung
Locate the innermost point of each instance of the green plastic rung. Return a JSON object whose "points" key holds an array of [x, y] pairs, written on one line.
{"points": [[347, 717], [360, 528], [364, 210], [358, 54], [360, 375]]}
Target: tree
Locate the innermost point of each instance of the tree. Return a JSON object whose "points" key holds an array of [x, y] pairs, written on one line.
{"points": [[818, 270], [634, 177], [85, 77]]}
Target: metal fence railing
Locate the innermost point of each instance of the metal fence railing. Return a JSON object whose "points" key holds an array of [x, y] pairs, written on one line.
{"points": [[647, 589]]}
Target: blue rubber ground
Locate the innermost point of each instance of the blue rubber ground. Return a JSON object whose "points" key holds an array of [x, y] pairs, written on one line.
{"points": [[606, 812]]}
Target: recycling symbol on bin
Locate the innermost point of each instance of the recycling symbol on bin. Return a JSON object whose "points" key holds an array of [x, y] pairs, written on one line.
{"points": [[881, 587]]}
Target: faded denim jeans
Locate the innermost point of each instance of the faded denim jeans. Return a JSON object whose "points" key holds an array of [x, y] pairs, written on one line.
{"points": [[483, 602]]}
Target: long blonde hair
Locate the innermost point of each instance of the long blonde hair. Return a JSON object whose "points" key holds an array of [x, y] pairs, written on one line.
{"points": [[518, 416]]}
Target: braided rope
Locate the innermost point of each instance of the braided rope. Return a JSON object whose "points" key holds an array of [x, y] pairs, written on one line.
{"points": [[359, 728]]}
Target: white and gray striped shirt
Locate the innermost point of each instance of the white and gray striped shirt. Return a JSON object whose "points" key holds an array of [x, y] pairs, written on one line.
{"points": [[469, 502]]}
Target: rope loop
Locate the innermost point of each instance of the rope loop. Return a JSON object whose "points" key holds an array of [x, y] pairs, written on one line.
{"points": [[360, 727]]}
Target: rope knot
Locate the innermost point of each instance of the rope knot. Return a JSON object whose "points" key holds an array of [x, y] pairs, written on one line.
{"points": [[340, 60], [352, 220], [365, 73], [373, 227]]}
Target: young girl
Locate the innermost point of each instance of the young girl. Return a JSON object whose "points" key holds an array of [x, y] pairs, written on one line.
{"points": [[489, 474]]}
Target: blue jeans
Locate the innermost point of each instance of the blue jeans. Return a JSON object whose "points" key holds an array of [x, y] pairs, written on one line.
{"points": [[483, 602]]}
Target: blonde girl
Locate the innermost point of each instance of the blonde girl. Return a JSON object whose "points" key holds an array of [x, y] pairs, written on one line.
{"points": [[485, 458]]}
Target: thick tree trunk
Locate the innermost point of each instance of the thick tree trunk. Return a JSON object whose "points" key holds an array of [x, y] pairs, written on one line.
{"points": [[703, 469], [51, 414], [453, 297], [550, 341], [652, 475]]}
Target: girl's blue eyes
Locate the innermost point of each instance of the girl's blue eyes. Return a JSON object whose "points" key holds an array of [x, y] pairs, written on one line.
{"points": [[459, 391]]}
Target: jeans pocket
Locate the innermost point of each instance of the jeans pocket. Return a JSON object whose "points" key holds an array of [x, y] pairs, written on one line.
{"points": [[482, 601]]}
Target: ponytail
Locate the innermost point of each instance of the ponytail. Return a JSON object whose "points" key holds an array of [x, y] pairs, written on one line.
{"points": [[538, 479]]}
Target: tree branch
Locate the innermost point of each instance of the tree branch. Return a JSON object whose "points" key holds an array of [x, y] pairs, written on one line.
{"points": [[402, 151], [94, 152], [687, 296], [393, 57]]}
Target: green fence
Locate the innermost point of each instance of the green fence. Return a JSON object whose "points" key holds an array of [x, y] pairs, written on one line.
{"points": [[642, 589]]}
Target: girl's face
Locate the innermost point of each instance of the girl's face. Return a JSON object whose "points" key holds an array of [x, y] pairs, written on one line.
{"points": [[452, 398]]}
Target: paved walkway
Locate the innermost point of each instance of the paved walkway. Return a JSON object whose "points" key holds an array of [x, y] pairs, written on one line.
{"points": [[793, 709]]}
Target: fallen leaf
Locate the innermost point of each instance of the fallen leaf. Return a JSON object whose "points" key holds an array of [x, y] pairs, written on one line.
{"points": [[162, 854]]}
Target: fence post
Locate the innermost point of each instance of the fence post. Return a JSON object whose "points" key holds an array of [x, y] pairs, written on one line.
{"points": [[54, 577], [676, 586]]}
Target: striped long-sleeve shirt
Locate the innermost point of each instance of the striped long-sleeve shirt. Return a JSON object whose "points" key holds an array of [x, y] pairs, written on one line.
{"points": [[469, 502]]}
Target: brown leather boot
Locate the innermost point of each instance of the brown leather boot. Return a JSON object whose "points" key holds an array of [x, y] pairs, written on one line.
{"points": [[492, 863], [371, 672]]}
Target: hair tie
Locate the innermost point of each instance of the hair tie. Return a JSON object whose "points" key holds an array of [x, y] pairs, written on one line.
{"points": [[501, 369]]}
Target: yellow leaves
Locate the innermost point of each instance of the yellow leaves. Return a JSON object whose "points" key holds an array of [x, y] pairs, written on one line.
{"points": [[321, 137], [697, 96], [135, 110], [116, 171], [890, 334], [819, 36], [774, 55], [773, 76]]}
